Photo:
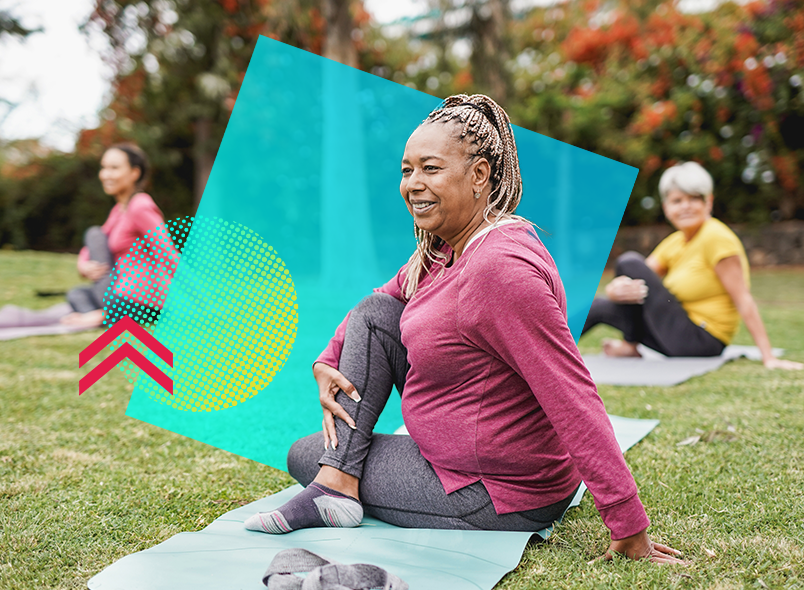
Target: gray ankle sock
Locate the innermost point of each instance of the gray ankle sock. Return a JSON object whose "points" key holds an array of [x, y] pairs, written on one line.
{"points": [[315, 506]]}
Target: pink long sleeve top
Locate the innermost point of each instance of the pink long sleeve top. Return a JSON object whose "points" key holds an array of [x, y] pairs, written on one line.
{"points": [[497, 391], [123, 227], [126, 224]]}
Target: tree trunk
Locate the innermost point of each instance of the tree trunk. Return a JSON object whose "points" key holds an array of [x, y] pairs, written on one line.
{"points": [[338, 45], [490, 51], [203, 158], [788, 204]]}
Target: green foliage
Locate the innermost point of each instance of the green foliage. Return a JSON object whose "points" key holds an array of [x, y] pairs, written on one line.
{"points": [[179, 65], [647, 85], [59, 194]]}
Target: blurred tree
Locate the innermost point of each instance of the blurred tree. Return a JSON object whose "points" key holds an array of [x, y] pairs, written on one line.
{"points": [[491, 53], [636, 81], [178, 68], [642, 83], [338, 43], [179, 64], [341, 119], [468, 48], [47, 202], [648, 85], [10, 25]]}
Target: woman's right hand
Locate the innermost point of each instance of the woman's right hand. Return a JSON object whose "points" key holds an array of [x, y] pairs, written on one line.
{"points": [[640, 546], [774, 363], [624, 289], [330, 381], [92, 270]]}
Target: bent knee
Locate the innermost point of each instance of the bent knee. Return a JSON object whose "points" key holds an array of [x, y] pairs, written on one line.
{"points": [[379, 305], [629, 263], [94, 232]]}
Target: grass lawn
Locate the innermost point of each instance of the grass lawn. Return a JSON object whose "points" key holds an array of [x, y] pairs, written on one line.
{"points": [[81, 485]]}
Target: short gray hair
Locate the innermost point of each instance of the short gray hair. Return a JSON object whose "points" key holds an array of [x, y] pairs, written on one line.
{"points": [[689, 178]]}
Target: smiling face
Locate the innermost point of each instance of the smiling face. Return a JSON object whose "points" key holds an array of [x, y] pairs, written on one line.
{"points": [[686, 212], [117, 176], [438, 184]]}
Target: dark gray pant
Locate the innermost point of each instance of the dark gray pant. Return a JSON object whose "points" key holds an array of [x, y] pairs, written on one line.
{"points": [[659, 323], [397, 484], [90, 297]]}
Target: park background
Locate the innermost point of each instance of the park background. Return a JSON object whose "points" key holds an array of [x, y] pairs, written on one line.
{"points": [[646, 83]]}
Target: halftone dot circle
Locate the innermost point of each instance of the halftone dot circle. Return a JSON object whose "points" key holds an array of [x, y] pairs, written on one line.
{"points": [[231, 319]]}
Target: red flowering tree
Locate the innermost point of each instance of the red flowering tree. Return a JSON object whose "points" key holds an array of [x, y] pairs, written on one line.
{"points": [[648, 85]]}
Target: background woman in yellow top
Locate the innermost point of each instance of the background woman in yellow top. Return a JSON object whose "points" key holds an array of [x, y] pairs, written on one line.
{"points": [[687, 297]]}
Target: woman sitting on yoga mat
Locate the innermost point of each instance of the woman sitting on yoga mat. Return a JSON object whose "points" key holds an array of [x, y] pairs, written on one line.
{"points": [[687, 297], [503, 416], [123, 172]]}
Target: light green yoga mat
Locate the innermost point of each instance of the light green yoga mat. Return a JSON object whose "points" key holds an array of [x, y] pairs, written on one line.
{"points": [[226, 556]]}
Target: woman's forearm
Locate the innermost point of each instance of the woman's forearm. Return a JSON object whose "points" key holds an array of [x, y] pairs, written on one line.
{"points": [[753, 321], [83, 258], [730, 273]]}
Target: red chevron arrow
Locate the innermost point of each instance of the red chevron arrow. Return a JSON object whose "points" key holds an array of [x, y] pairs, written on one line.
{"points": [[125, 351]]}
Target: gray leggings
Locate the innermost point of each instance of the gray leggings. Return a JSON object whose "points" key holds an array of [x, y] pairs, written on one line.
{"points": [[397, 484], [90, 297]]}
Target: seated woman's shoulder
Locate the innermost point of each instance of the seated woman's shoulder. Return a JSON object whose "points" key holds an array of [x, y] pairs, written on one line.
{"points": [[717, 229], [521, 238], [143, 203], [513, 249], [142, 200]]}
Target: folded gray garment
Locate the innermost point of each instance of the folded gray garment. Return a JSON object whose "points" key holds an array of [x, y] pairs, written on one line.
{"points": [[655, 369], [323, 574]]}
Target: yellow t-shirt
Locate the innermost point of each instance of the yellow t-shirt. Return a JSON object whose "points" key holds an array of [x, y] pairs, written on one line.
{"points": [[692, 280]]}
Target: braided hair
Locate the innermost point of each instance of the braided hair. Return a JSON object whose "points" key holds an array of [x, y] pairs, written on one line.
{"points": [[486, 129]]}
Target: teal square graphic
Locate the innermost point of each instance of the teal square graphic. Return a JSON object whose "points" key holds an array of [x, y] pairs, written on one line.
{"points": [[301, 218]]}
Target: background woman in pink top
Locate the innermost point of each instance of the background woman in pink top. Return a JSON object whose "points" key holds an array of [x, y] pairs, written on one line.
{"points": [[504, 419], [123, 172]]}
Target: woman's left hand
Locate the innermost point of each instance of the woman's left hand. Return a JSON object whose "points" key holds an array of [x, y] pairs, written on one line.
{"points": [[624, 289], [330, 381], [774, 363], [93, 270], [640, 546]]}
